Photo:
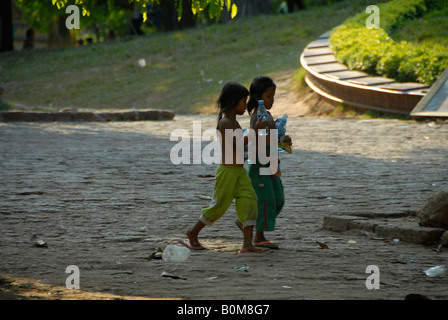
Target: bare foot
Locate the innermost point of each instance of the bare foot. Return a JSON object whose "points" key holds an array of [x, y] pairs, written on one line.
{"points": [[259, 237], [194, 242], [250, 249], [266, 244]]}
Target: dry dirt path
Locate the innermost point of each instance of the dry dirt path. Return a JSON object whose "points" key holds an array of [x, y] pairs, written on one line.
{"points": [[105, 196]]}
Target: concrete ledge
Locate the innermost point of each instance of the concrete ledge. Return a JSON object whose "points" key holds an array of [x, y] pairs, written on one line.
{"points": [[100, 116], [408, 231]]}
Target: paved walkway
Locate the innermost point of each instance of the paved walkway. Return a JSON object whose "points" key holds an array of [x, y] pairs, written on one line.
{"points": [[104, 196]]}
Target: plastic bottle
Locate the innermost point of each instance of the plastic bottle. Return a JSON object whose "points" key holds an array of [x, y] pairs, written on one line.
{"points": [[247, 148], [280, 125], [262, 115], [175, 253], [435, 271]]}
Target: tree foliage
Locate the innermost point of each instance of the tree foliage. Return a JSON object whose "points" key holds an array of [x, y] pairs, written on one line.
{"points": [[114, 14], [198, 7]]}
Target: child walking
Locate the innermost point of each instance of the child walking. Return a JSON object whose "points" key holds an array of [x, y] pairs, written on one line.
{"points": [[232, 180], [269, 188]]}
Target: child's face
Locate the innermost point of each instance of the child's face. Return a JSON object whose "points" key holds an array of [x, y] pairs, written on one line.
{"points": [[268, 97], [241, 107]]}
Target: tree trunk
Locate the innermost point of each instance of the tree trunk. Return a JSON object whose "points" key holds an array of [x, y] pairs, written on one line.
{"points": [[59, 35], [169, 15], [6, 34], [248, 8], [253, 7]]}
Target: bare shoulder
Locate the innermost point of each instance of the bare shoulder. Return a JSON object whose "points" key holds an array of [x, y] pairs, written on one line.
{"points": [[226, 123]]}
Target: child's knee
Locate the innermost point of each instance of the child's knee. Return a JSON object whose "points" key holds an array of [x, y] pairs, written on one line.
{"points": [[218, 206]]}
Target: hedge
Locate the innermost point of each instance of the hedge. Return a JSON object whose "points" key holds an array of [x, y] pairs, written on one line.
{"points": [[375, 52]]}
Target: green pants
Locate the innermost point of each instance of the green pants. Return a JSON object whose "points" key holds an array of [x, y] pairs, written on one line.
{"points": [[270, 196], [232, 183]]}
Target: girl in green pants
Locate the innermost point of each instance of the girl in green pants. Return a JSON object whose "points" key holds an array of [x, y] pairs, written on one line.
{"points": [[232, 180]]}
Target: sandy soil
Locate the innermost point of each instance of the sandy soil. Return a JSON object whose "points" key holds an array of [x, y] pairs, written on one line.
{"points": [[105, 197]]}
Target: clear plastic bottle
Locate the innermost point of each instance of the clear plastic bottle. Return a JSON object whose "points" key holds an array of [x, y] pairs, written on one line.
{"points": [[262, 115], [247, 148], [435, 271], [175, 253], [280, 125]]}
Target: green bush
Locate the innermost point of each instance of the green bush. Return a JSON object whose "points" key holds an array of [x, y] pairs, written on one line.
{"points": [[360, 48], [426, 64], [389, 64], [394, 13], [375, 52]]}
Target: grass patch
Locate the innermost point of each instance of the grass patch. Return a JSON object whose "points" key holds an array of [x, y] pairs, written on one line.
{"points": [[299, 84], [184, 71]]}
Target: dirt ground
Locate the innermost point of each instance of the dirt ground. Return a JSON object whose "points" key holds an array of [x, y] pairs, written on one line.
{"points": [[105, 197]]}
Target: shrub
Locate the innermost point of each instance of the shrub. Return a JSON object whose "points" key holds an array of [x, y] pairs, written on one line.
{"points": [[360, 48], [389, 63], [375, 52], [426, 64]]}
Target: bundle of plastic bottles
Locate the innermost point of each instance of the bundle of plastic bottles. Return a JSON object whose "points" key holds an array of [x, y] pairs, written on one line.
{"points": [[284, 140]]}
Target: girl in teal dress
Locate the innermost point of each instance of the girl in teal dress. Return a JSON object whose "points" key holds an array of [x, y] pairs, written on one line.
{"points": [[269, 188]]}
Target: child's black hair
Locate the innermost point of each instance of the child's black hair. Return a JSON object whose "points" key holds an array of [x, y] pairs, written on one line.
{"points": [[231, 94], [258, 86]]}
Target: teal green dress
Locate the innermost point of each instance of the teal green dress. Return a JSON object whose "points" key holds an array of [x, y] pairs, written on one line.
{"points": [[270, 194]]}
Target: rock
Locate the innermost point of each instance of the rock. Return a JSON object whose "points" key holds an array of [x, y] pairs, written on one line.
{"points": [[155, 115], [101, 116], [434, 212], [392, 228], [12, 116], [84, 116], [341, 223], [1, 86], [416, 296], [409, 233]]}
